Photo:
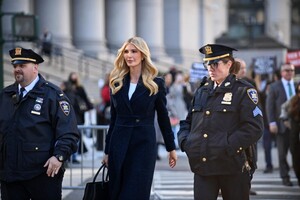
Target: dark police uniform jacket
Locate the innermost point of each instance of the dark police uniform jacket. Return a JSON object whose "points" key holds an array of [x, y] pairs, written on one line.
{"points": [[220, 125], [131, 138], [41, 125]]}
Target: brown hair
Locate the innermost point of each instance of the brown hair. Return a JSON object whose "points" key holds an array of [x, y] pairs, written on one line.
{"points": [[235, 67]]}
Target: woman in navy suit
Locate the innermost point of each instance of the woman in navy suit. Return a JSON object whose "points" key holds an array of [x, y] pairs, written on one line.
{"points": [[130, 150]]}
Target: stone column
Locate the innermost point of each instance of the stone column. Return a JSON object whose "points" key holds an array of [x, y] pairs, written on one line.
{"points": [[214, 20], [89, 26], [172, 29], [120, 22], [189, 31], [150, 26], [55, 16], [278, 24]]}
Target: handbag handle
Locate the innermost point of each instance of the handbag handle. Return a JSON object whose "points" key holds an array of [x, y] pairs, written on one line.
{"points": [[103, 166]]}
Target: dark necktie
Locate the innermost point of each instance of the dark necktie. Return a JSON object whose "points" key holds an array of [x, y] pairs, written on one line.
{"points": [[21, 93]]}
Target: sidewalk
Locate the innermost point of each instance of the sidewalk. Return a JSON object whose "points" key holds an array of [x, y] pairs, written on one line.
{"points": [[162, 165]]}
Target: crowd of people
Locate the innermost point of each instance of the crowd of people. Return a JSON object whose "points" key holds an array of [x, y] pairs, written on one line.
{"points": [[145, 110]]}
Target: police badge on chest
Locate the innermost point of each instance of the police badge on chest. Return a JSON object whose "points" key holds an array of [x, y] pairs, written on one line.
{"points": [[227, 98], [37, 106]]}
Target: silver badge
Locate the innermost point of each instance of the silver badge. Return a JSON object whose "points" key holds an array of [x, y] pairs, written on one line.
{"points": [[37, 107], [39, 100], [227, 98]]}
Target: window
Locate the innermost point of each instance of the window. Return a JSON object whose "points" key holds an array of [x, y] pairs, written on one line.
{"points": [[246, 18]]}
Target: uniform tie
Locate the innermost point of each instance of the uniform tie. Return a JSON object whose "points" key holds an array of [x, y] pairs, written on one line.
{"points": [[290, 89], [21, 93]]}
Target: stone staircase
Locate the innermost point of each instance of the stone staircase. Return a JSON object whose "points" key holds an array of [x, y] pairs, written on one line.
{"points": [[67, 60], [57, 70]]}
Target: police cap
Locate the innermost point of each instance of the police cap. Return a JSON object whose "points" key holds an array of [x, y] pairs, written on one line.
{"points": [[215, 52], [20, 55]]}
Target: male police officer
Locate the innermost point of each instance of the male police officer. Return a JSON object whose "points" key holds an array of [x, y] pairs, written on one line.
{"points": [[38, 132]]}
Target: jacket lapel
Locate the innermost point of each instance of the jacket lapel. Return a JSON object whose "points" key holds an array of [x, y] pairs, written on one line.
{"points": [[139, 91], [125, 91]]}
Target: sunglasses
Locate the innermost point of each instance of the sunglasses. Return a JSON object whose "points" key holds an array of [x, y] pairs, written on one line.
{"points": [[212, 65]]}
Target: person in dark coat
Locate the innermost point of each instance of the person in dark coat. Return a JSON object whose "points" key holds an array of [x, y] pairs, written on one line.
{"points": [[38, 132], [130, 148], [290, 114], [221, 129], [82, 101], [279, 92], [81, 105]]}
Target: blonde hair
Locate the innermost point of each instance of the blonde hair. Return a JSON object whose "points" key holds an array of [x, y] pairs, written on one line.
{"points": [[149, 71]]}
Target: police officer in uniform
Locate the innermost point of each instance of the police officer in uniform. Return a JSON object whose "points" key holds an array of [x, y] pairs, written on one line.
{"points": [[222, 126], [38, 132]]}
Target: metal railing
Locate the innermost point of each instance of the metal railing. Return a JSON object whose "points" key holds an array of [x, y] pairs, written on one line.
{"points": [[77, 174]]}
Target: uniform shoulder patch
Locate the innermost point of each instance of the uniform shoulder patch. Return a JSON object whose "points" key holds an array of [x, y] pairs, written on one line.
{"points": [[252, 93], [65, 107]]}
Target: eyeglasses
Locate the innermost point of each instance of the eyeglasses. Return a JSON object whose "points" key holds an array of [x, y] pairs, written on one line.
{"points": [[289, 70], [212, 65]]}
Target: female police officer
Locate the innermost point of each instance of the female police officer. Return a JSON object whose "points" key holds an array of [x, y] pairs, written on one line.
{"points": [[224, 121]]}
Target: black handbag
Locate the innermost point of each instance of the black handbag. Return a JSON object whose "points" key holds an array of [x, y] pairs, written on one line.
{"points": [[97, 190]]}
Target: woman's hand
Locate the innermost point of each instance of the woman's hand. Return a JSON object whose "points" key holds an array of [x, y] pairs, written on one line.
{"points": [[105, 160], [172, 158]]}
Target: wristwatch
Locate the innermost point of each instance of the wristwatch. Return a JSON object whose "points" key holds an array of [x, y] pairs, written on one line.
{"points": [[60, 158]]}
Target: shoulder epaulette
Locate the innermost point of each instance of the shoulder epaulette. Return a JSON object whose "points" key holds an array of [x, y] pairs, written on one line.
{"points": [[244, 82], [55, 87]]}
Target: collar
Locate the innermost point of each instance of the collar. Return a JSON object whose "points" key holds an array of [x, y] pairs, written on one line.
{"points": [[228, 82], [31, 85], [285, 82]]}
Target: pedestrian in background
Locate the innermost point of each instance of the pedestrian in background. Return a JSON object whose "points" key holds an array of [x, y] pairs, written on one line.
{"points": [[47, 44], [82, 105], [81, 96], [103, 110], [130, 148], [269, 139], [38, 132], [171, 110], [224, 122], [176, 93], [290, 114], [243, 74], [279, 92]]}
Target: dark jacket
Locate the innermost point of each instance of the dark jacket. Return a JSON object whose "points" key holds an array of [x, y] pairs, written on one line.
{"points": [[43, 124], [81, 104], [131, 139], [276, 96], [220, 126]]}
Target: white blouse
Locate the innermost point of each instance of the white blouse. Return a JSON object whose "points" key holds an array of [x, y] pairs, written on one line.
{"points": [[132, 87]]}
